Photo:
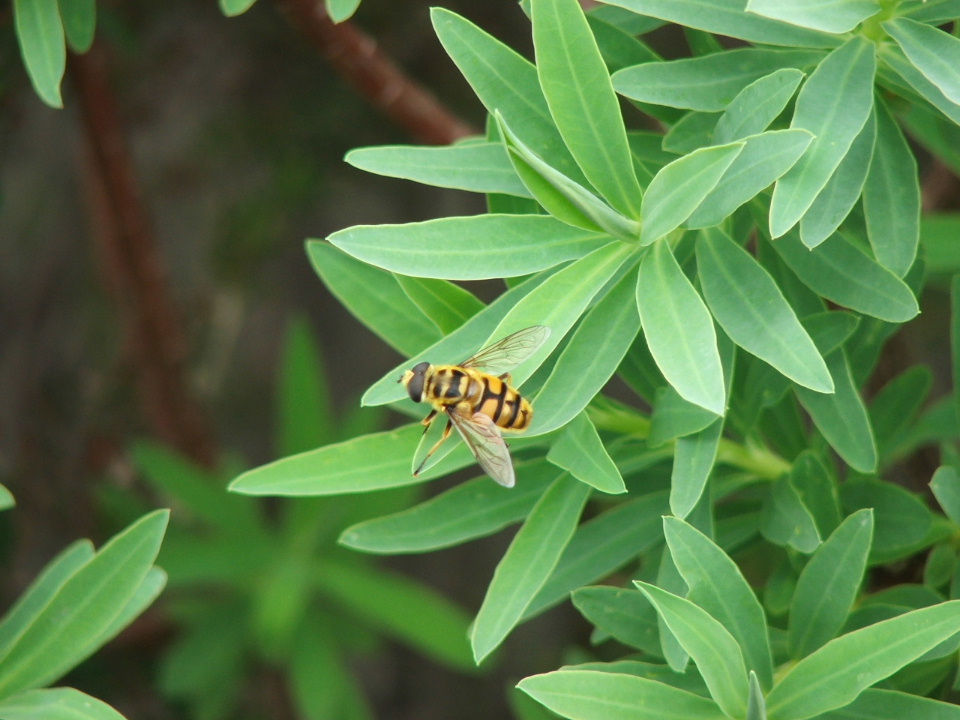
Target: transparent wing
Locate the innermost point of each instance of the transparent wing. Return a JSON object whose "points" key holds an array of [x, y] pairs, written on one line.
{"points": [[486, 443], [504, 355]]}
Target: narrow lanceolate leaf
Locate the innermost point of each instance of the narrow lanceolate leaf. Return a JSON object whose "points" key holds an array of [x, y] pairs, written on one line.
{"points": [[838, 672], [506, 82], [842, 417], [84, 608], [597, 695], [765, 157], [681, 186], [709, 83], [468, 248], [624, 614], [40, 34], [891, 196], [580, 96], [56, 704], [528, 562], [750, 308], [477, 167], [727, 17], [448, 306], [945, 486], [842, 191], [79, 22], [786, 520], [828, 585], [839, 271], [693, 459], [717, 585], [560, 301], [833, 104], [471, 510], [455, 347], [580, 451], [873, 704], [232, 8], [341, 10], [560, 196], [590, 358], [712, 647], [832, 16], [933, 52], [757, 105], [898, 62], [679, 330], [375, 298]]}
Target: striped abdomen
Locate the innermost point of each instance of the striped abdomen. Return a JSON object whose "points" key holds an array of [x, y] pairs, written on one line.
{"points": [[451, 385]]}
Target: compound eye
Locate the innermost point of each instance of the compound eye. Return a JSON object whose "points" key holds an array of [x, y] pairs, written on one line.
{"points": [[415, 386]]}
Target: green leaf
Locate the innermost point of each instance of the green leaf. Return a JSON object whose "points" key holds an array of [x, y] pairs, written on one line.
{"points": [[716, 585], [674, 417], [448, 305], [712, 647], [560, 301], [589, 359], [397, 606], [833, 104], [679, 330], [832, 16], [475, 167], [455, 347], [467, 248], [693, 460], [232, 8], [840, 194], [786, 520], [79, 19], [955, 342], [894, 58], [828, 585], [505, 82], [765, 157], [875, 704], [594, 695], [321, 685], [580, 451], [933, 52], [84, 607], [623, 613], [839, 271], [340, 10], [580, 96], [305, 410], [842, 417], [680, 187], [901, 521], [473, 509], [817, 490], [691, 132], [528, 562], [602, 546], [897, 404], [749, 306], [727, 17], [149, 590], [563, 198], [945, 486], [7, 500], [374, 297], [930, 11], [24, 612], [40, 34], [837, 673], [709, 83], [891, 196], [757, 105], [56, 704]]}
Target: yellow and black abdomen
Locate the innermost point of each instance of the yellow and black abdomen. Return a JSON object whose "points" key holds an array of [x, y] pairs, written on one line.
{"points": [[502, 404]]}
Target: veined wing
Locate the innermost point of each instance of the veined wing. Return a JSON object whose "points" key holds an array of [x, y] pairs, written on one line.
{"points": [[504, 355], [486, 443]]}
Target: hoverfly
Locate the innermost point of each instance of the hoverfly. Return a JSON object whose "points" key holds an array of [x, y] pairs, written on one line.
{"points": [[477, 399]]}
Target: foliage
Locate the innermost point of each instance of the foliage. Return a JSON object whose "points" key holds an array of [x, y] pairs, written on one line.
{"points": [[249, 589], [81, 600], [746, 320]]}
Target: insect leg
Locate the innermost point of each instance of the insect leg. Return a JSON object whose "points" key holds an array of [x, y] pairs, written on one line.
{"points": [[446, 434], [426, 422]]}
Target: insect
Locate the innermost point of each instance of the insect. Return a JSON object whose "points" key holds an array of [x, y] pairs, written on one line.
{"points": [[477, 399]]}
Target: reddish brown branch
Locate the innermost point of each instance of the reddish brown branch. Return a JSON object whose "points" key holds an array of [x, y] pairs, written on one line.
{"points": [[135, 269], [358, 59]]}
